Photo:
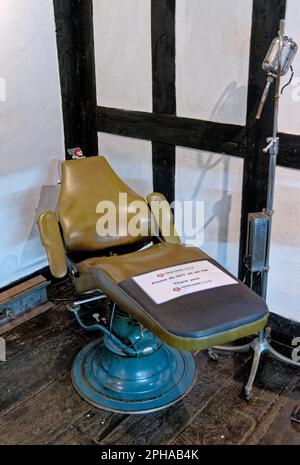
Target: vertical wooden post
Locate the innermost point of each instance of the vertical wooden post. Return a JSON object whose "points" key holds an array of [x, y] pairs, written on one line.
{"points": [[164, 90], [75, 43]]}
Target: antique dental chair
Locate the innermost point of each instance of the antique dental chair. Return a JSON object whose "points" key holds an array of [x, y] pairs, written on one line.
{"points": [[143, 362]]}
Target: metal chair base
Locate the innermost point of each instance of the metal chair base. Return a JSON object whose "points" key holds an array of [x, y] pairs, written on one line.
{"points": [[127, 384], [129, 370], [259, 345]]}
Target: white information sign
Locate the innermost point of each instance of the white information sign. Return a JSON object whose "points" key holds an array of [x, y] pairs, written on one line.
{"points": [[170, 283]]}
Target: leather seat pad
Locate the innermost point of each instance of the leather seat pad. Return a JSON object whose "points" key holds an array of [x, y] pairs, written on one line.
{"points": [[196, 315]]}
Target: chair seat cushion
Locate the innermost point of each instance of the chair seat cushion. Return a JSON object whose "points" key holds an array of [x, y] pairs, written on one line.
{"points": [[194, 321]]}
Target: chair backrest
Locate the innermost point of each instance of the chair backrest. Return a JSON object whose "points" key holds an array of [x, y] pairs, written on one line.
{"points": [[85, 183]]}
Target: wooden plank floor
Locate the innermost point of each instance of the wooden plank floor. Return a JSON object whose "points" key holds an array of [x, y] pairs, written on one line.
{"points": [[38, 404]]}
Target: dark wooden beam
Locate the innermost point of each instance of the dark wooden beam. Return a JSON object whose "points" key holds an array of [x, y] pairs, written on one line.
{"points": [[265, 25], [164, 91], [228, 139], [163, 56], [289, 151], [173, 130], [163, 159], [75, 42]]}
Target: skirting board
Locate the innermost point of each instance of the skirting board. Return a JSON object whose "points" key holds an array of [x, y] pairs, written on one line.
{"points": [[22, 302], [284, 331]]}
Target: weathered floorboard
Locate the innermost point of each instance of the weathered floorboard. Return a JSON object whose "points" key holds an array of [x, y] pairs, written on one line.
{"points": [[228, 419], [276, 427], [38, 404], [163, 426], [72, 437], [97, 424], [44, 417], [35, 365]]}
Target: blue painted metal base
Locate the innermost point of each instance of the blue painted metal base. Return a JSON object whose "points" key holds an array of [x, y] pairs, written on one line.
{"points": [[111, 381]]}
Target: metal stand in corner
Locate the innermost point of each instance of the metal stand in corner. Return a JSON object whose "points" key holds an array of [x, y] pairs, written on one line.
{"points": [[277, 63], [259, 345]]}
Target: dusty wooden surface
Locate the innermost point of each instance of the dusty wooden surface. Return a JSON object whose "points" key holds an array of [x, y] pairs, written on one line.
{"points": [[38, 404], [5, 296]]}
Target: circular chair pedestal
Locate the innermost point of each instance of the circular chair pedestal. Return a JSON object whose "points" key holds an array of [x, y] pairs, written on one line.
{"points": [[126, 384]]}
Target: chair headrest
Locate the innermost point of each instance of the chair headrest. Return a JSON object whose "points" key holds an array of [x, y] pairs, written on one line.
{"points": [[85, 183]]}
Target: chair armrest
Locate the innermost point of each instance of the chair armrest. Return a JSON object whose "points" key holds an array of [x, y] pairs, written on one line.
{"points": [[53, 243], [163, 217]]}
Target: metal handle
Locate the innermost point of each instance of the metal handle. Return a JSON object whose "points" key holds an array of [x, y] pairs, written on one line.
{"points": [[264, 96], [273, 146], [97, 327]]}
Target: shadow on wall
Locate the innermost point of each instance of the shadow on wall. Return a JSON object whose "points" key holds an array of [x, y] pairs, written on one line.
{"points": [[21, 257], [231, 96], [32, 256], [47, 201]]}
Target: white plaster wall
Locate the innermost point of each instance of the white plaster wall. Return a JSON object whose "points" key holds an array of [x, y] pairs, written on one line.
{"points": [[289, 114], [284, 280], [216, 180], [123, 53], [131, 159], [31, 131], [212, 59]]}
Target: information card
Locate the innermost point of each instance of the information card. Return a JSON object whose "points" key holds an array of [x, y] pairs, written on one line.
{"points": [[170, 283]]}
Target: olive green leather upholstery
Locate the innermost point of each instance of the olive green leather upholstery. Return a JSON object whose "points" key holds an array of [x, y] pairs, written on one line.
{"points": [[85, 183], [193, 322], [53, 243], [163, 217], [188, 323], [120, 267]]}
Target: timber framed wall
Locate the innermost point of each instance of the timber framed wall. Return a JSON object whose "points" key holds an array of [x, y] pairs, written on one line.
{"points": [[162, 126]]}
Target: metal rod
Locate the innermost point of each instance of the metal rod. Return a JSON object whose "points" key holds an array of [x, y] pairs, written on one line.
{"points": [[90, 299], [264, 97], [97, 327], [278, 79], [273, 150]]}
